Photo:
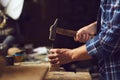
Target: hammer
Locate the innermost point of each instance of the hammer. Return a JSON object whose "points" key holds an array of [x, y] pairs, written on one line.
{"points": [[66, 32], [54, 29]]}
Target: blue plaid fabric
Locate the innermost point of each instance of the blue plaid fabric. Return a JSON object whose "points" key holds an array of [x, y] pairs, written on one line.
{"points": [[106, 45]]}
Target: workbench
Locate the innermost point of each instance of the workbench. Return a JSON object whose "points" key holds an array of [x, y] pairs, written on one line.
{"points": [[41, 71]]}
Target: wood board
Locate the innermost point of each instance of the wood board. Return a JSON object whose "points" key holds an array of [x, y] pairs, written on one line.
{"points": [[24, 72]]}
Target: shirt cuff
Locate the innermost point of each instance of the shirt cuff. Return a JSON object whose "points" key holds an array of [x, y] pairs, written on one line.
{"points": [[92, 45]]}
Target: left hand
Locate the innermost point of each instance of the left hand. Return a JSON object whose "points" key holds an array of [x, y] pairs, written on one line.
{"points": [[60, 56]]}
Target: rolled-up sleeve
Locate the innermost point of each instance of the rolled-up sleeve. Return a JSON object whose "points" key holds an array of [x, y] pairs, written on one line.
{"points": [[106, 43]]}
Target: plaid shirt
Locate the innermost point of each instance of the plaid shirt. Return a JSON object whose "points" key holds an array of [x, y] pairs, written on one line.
{"points": [[106, 45]]}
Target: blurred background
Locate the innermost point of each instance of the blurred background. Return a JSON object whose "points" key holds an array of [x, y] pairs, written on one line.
{"points": [[38, 15]]}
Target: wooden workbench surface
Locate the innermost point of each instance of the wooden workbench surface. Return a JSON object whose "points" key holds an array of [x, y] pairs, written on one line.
{"points": [[27, 71], [35, 72]]}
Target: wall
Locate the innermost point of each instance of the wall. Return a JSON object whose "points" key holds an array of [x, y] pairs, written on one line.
{"points": [[37, 17]]}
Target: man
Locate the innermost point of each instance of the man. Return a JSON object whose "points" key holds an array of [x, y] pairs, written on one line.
{"points": [[105, 46]]}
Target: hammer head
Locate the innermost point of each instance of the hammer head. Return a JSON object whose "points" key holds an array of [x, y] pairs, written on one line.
{"points": [[52, 30]]}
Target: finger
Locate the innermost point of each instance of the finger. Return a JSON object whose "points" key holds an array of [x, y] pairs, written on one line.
{"points": [[57, 51], [86, 37], [52, 50], [82, 38], [52, 56], [78, 35], [75, 39], [54, 61]]}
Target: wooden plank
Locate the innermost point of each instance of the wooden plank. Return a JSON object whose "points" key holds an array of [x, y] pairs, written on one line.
{"points": [[24, 72], [68, 76]]}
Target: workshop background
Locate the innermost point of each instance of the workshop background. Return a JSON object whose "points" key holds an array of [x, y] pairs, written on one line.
{"points": [[39, 15]]}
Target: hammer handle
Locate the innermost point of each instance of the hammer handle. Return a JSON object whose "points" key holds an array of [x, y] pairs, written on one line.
{"points": [[66, 32], [69, 33]]}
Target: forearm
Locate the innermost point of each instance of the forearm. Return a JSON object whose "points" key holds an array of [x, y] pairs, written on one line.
{"points": [[91, 28], [94, 23], [80, 53]]}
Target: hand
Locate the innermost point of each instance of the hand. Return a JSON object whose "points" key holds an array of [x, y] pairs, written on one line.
{"points": [[60, 56], [86, 33], [63, 56]]}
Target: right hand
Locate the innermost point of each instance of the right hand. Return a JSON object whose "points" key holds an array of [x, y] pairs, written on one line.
{"points": [[86, 33]]}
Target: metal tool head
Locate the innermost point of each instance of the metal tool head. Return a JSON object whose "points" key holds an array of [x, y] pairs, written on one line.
{"points": [[52, 30]]}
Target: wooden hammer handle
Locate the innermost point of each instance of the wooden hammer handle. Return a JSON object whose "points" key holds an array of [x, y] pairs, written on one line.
{"points": [[66, 32], [69, 33]]}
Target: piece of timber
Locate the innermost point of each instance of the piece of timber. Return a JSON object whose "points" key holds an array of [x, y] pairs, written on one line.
{"points": [[55, 75], [36, 72]]}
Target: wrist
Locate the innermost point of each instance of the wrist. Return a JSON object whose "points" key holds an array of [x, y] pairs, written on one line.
{"points": [[75, 53], [80, 53]]}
